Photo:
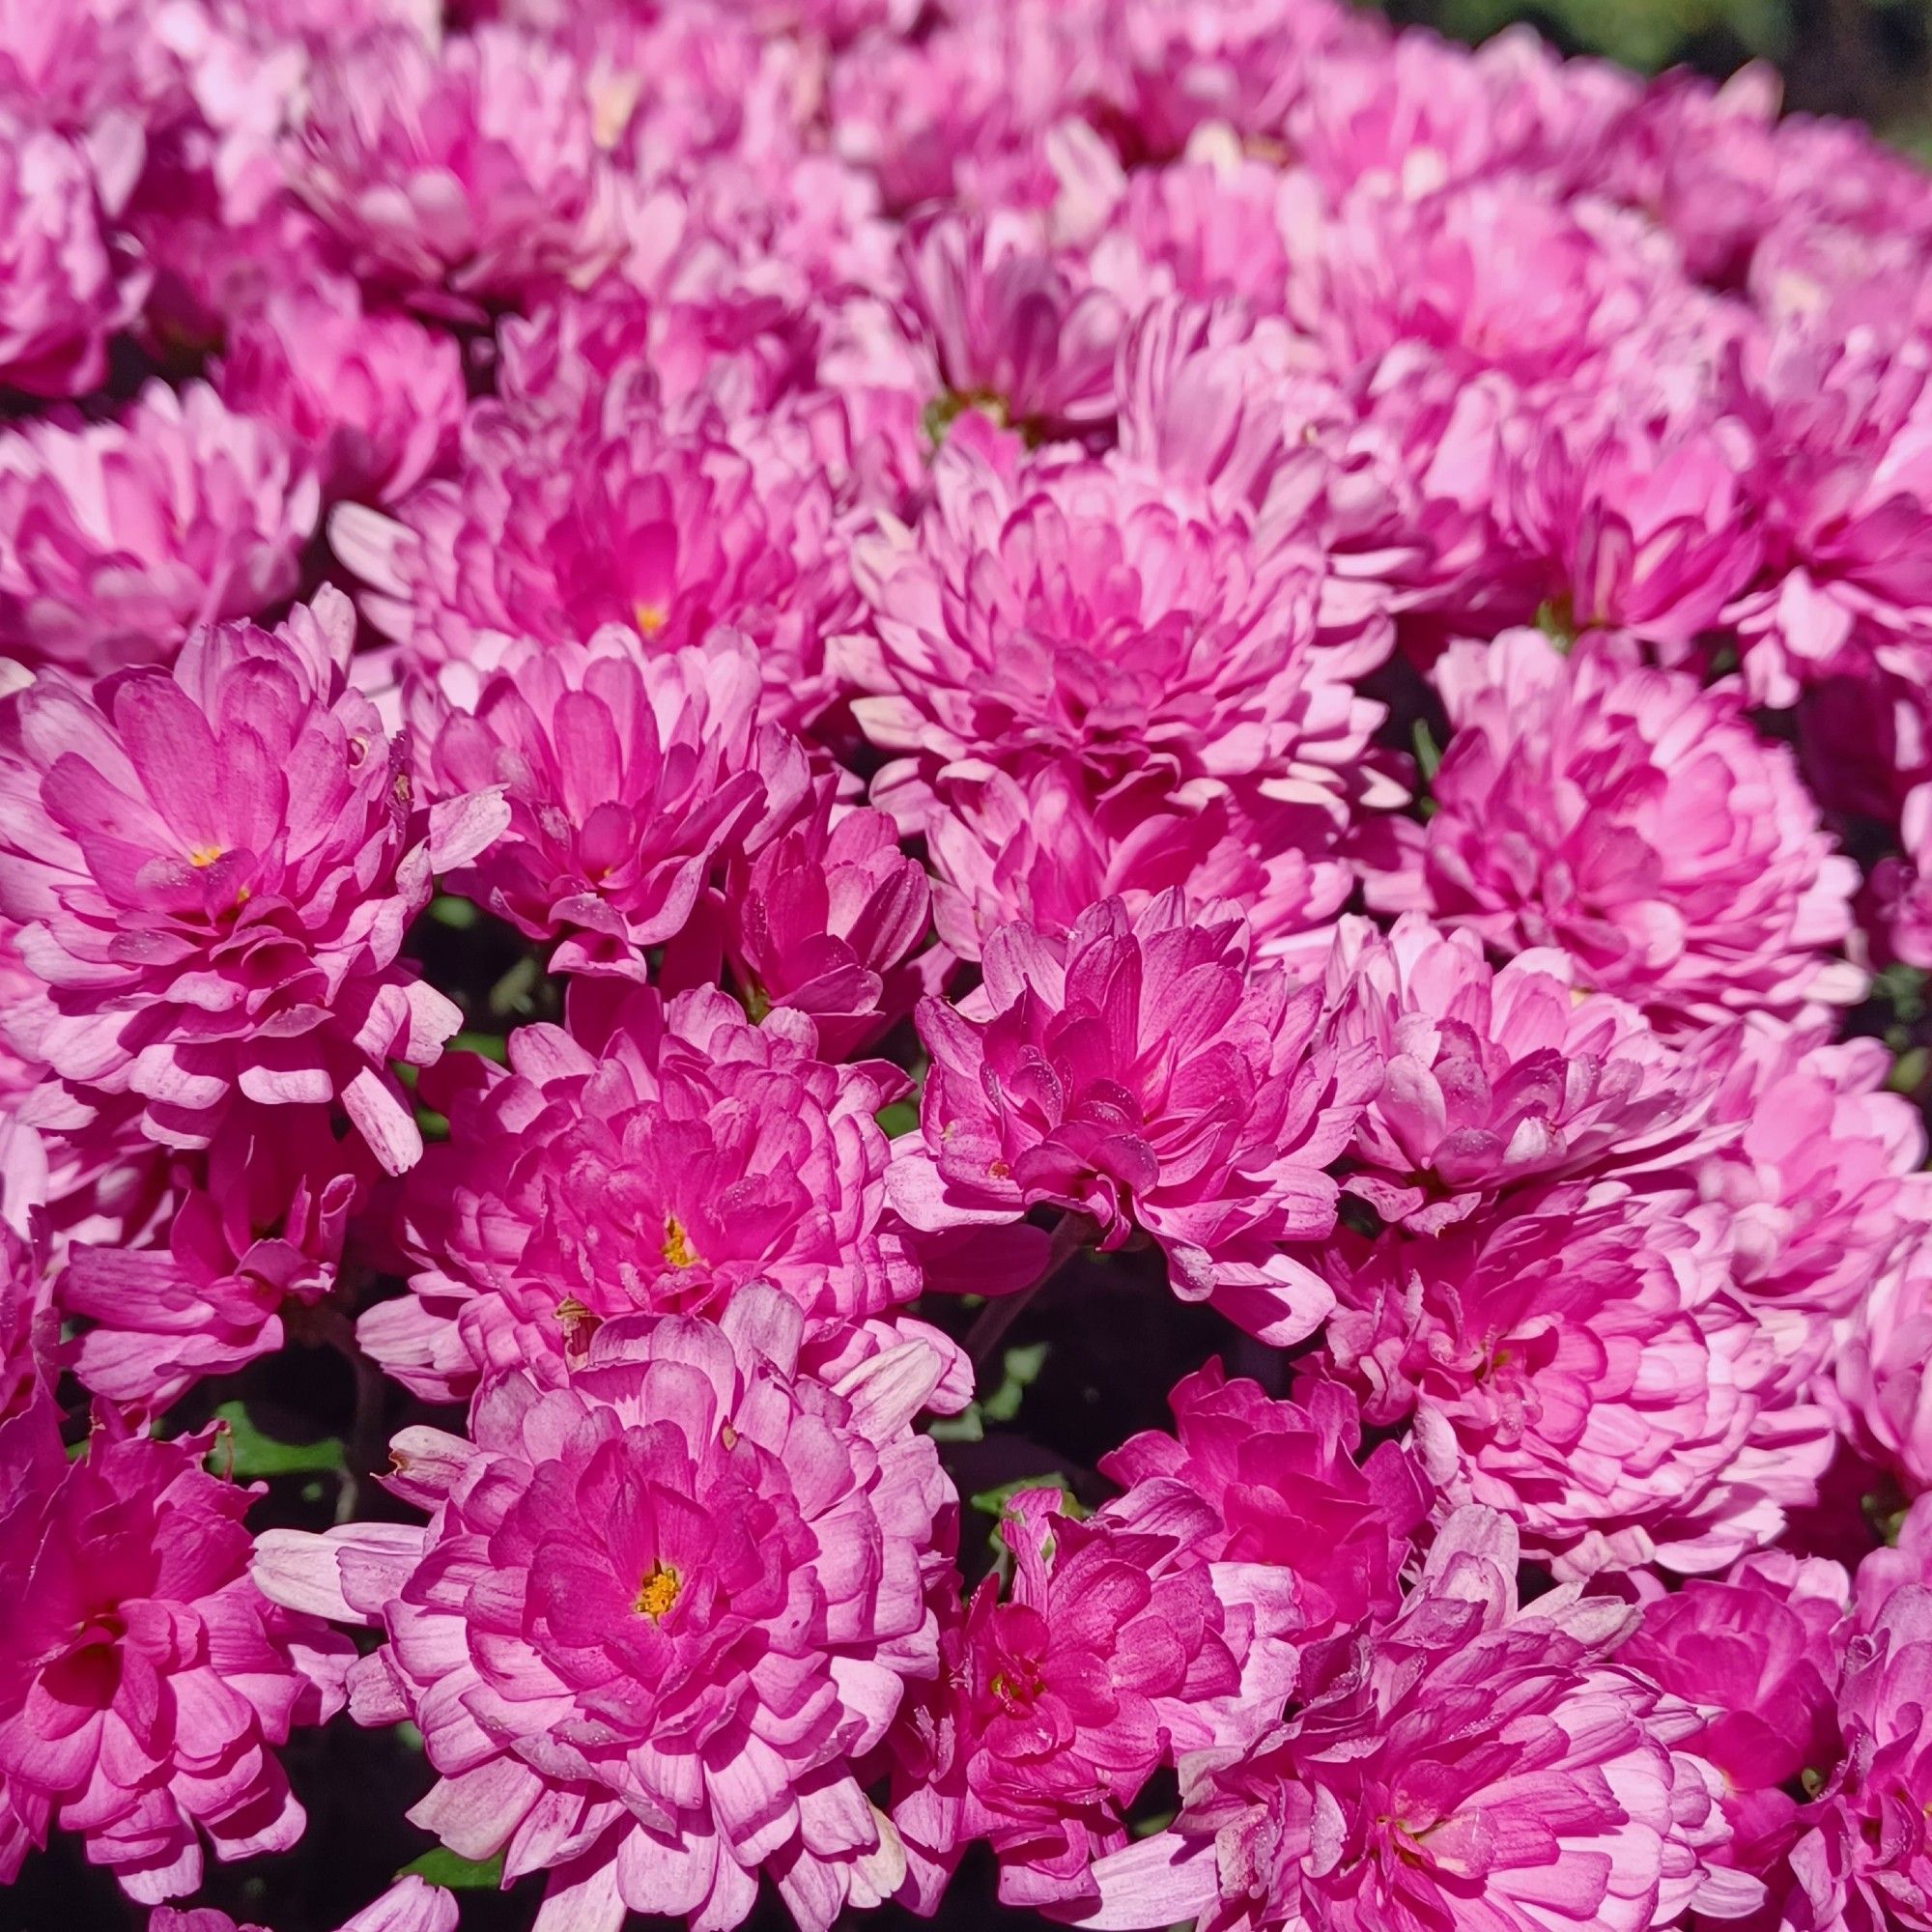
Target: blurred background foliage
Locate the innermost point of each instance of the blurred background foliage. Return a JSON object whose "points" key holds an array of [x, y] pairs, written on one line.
{"points": [[1867, 58]]}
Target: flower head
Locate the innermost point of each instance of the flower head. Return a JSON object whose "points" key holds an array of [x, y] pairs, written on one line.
{"points": [[1481, 1758], [1145, 1075], [461, 174], [1068, 609], [675, 1599], [656, 1158], [626, 779], [144, 1679], [1496, 1077], [121, 537], [1634, 819], [212, 866], [1582, 1365], [377, 395]]}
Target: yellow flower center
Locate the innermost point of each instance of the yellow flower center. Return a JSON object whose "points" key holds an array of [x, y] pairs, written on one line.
{"points": [[649, 618], [200, 856], [657, 1593], [677, 1249]]}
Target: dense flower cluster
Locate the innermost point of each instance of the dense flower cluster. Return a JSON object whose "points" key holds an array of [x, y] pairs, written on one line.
{"points": [[702, 704]]}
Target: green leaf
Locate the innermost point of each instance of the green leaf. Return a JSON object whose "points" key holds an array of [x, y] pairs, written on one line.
{"points": [[458, 914], [512, 992], [491, 1046], [993, 1502], [1020, 1370], [1428, 752], [251, 1453], [1908, 1074], [896, 1118], [441, 1866], [965, 1427]]}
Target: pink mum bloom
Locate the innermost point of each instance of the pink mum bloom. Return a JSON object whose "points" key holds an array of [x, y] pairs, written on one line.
{"points": [[144, 1680], [1819, 1178], [1242, 62], [377, 396], [462, 174], [212, 870], [1042, 848], [1492, 1078], [1757, 1655], [1637, 820], [1866, 1863], [666, 533], [624, 779], [1904, 885], [1283, 1482], [215, 1295], [121, 537], [1879, 1361], [1083, 609], [1582, 1366], [63, 288], [1112, 1652], [821, 921], [1494, 276], [1632, 530], [1008, 327], [656, 1158], [1484, 1765], [1842, 411], [1145, 1075], [655, 1617]]}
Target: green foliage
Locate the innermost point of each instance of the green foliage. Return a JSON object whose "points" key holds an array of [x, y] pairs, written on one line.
{"points": [[1646, 34], [442, 1866], [251, 1454], [1020, 1369]]}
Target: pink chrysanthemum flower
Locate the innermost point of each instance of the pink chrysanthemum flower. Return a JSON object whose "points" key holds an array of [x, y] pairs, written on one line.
{"points": [[1009, 329], [656, 1158], [1244, 61], [462, 174], [1143, 1076], [1880, 1361], [1842, 408], [624, 779], [1582, 1366], [1634, 818], [1042, 848], [1627, 528], [1484, 1766], [655, 1617], [1757, 1655], [1492, 1078], [1904, 885], [1062, 608], [1863, 1863], [822, 920], [1283, 1482], [64, 286], [121, 537], [213, 868], [666, 533], [1116, 1647], [1818, 1174], [219, 1291], [1494, 276], [376, 396], [144, 1679]]}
